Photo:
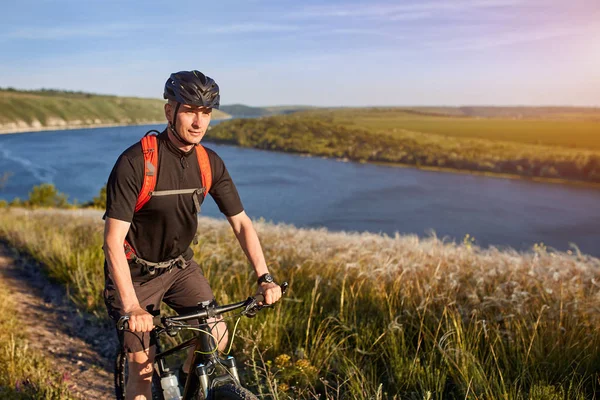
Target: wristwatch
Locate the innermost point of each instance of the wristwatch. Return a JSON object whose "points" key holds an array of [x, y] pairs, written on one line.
{"points": [[265, 278]]}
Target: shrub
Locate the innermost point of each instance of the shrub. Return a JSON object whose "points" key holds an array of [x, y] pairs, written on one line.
{"points": [[46, 195]]}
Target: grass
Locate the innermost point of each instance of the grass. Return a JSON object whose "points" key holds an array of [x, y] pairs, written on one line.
{"points": [[59, 108], [24, 372], [376, 317]]}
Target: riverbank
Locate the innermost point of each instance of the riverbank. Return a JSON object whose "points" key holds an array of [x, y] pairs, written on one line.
{"points": [[17, 128], [491, 174]]}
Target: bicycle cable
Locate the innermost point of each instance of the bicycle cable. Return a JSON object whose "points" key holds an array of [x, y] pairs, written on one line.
{"points": [[196, 327]]}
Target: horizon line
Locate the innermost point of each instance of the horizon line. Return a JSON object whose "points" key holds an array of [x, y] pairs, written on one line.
{"points": [[68, 91]]}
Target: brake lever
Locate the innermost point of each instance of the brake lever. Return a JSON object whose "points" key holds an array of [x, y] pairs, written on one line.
{"points": [[123, 323], [253, 307]]}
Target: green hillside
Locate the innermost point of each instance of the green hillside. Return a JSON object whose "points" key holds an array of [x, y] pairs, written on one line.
{"points": [[20, 110], [528, 148], [243, 111]]}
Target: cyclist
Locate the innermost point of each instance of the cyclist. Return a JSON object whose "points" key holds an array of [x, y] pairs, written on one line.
{"points": [[148, 258]]}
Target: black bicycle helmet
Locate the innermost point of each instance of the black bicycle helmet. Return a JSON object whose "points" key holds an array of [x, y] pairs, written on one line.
{"points": [[193, 88]]}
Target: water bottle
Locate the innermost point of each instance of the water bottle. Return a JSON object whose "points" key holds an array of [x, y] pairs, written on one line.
{"points": [[170, 386]]}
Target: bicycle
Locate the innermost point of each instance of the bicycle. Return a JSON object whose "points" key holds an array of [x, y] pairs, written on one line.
{"points": [[199, 385]]}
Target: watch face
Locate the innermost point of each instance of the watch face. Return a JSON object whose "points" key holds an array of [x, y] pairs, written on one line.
{"points": [[266, 278]]}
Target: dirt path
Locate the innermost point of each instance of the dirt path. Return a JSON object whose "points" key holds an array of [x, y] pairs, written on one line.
{"points": [[76, 346]]}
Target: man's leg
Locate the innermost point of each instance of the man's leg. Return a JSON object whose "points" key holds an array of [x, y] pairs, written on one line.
{"points": [[139, 380], [219, 330], [188, 288], [139, 346]]}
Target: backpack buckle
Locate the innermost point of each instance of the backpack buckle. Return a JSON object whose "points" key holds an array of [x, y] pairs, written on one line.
{"points": [[150, 269]]}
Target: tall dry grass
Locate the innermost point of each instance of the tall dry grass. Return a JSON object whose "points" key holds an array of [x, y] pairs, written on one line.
{"points": [[376, 317]]}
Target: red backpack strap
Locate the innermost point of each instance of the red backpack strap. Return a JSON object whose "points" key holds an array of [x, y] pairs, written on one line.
{"points": [[129, 251], [150, 150], [205, 169]]}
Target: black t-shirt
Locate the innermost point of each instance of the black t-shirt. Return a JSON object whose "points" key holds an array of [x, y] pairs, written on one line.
{"points": [[165, 226]]}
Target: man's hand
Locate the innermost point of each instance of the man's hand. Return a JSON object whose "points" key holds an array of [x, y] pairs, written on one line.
{"points": [[271, 291], [140, 320]]}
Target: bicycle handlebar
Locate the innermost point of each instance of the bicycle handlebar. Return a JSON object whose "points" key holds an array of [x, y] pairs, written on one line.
{"points": [[250, 304]]}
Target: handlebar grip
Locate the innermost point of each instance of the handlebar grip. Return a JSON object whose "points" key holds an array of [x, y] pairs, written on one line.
{"points": [[123, 322], [261, 299]]}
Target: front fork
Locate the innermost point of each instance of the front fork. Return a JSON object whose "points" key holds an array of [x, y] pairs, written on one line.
{"points": [[202, 371]]}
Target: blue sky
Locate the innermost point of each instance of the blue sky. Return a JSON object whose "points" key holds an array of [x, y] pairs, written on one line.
{"points": [[335, 53]]}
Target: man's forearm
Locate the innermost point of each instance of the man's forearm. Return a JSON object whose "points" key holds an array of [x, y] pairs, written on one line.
{"points": [[119, 271], [246, 235], [251, 245]]}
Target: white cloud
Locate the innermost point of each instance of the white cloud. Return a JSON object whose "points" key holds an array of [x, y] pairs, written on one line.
{"points": [[122, 29], [326, 31], [417, 10], [509, 38], [250, 28], [67, 32]]}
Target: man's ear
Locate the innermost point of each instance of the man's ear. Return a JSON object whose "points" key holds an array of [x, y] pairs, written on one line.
{"points": [[168, 111]]}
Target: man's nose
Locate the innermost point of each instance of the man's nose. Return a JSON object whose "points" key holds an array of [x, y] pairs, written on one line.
{"points": [[197, 119]]}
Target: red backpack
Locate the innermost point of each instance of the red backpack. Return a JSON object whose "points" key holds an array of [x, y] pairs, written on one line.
{"points": [[150, 150]]}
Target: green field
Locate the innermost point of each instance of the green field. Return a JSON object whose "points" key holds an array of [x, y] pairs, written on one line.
{"points": [[53, 108], [567, 129]]}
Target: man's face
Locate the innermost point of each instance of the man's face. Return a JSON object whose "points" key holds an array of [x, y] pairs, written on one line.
{"points": [[192, 121]]}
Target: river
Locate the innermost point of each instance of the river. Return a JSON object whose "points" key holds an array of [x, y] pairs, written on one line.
{"points": [[316, 192]]}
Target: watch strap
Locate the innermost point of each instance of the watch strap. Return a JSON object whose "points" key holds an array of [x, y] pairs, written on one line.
{"points": [[265, 278]]}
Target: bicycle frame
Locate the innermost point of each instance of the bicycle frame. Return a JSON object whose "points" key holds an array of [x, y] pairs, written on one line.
{"points": [[205, 359]]}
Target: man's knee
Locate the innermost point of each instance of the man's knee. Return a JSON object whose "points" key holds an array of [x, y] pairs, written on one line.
{"points": [[140, 364], [219, 332]]}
